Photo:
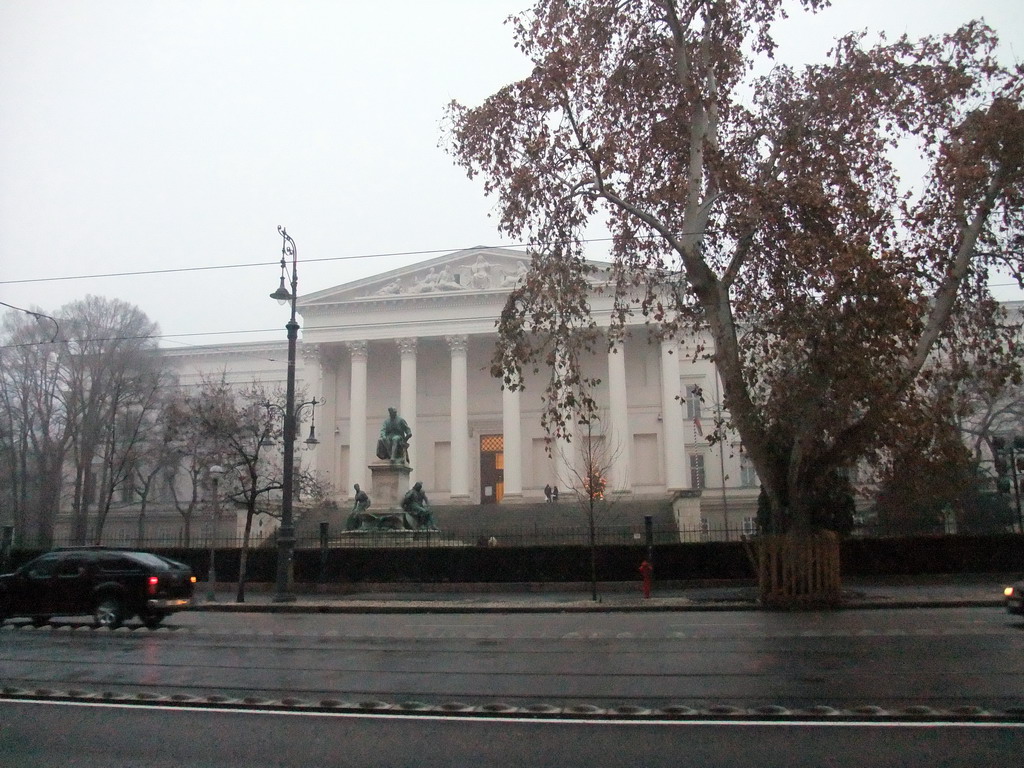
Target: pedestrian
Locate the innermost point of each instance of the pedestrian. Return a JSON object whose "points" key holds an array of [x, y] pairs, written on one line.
{"points": [[547, 492], [554, 495]]}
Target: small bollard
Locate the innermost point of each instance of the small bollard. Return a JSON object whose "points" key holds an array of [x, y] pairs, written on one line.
{"points": [[647, 572], [324, 542]]}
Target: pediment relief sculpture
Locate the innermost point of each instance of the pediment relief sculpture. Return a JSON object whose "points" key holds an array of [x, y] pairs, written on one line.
{"points": [[480, 275]]}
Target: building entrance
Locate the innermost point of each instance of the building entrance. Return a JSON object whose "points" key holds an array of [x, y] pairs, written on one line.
{"points": [[492, 468]]}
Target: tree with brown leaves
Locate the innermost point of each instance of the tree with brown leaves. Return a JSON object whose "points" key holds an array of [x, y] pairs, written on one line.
{"points": [[765, 211]]}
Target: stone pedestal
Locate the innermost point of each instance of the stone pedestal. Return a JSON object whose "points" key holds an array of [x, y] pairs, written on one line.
{"points": [[390, 483]]}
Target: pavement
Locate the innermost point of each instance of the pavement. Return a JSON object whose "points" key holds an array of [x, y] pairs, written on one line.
{"points": [[859, 593]]}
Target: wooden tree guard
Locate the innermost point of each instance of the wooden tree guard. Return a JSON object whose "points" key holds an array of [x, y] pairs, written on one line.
{"points": [[797, 571]]}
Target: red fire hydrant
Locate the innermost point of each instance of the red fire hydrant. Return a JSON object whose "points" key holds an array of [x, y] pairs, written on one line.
{"points": [[646, 571]]}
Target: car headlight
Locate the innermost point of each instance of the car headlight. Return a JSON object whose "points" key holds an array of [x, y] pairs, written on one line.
{"points": [[1008, 592]]}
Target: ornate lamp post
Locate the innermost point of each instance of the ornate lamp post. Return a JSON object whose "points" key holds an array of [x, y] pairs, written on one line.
{"points": [[215, 474], [286, 534]]}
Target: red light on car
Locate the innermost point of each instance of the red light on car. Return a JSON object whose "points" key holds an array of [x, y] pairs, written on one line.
{"points": [[153, 582]]}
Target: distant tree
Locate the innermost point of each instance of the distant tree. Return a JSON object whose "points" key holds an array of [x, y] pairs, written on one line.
{"points": [[245, 426], [128, 446], [188, 451], [154, 461], [108, 368], [765, 210], [33, 428]]}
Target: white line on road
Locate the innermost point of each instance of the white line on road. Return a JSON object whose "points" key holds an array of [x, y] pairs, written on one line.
{"points": [[533, 719]]}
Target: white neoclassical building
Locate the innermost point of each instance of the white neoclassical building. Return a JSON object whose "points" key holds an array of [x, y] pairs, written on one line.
{"points": [[421, 338]]}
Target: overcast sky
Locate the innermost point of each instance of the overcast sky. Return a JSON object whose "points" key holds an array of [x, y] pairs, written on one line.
{"points": [[140, 135]]}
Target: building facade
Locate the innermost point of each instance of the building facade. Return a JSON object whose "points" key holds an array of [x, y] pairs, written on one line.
{"points": [[421, 339]]}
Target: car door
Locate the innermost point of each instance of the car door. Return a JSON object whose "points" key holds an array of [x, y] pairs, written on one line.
{"points": [[72, 589], [37, 583]]}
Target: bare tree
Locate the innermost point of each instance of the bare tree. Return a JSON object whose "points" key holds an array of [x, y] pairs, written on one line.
{"points": [[244, 425], [137, 406], [33, 428], [107, 365], [588, 475]]}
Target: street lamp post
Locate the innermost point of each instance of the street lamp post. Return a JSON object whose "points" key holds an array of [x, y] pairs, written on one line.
{"points": [[286, 533], [215, 472]]}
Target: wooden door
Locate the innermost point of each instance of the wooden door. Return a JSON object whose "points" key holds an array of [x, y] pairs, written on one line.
{"points": [[492, 468]]}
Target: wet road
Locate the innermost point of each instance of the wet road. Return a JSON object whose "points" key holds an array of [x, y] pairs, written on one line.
{"points": [[942, 658], [103, 736]]}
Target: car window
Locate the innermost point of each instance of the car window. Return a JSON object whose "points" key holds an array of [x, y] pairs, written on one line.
{"points": [[73, 565], [118, 564], [153, 561], [42, 567]]}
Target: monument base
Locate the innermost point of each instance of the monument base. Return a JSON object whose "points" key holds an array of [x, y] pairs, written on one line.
{"points": [[390, 481]]}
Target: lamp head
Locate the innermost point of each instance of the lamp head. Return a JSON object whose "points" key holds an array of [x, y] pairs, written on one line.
{"points": [[311, 440], [282, 294]]}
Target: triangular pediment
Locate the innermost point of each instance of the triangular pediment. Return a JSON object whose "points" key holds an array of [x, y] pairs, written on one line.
{"points": [[469, 271]]}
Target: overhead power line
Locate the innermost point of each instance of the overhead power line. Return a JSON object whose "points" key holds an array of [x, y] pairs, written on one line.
{"points": [[248, 265]]}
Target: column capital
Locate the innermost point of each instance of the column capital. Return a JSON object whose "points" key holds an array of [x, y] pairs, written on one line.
{"points": [[458, 343], [311, 353], [407, 345], [357, 348]]}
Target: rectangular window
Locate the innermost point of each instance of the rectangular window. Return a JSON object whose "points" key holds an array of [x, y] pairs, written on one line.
{"points": [[693, 403], [127, 491], [697, 477], [748, 477], [750, 526]]}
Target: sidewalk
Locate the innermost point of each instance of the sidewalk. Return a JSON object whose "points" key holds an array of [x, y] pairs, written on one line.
{"points": [[963, 591]]}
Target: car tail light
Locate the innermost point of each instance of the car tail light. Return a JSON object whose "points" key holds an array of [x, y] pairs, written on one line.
{"points": [[154, 582], [1008, 591]]}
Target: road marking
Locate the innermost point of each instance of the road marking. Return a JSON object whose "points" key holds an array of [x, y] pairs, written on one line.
{"points": [[532, 719]]}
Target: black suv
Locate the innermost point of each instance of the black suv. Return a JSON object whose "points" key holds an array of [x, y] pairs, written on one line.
{"points": [[111, 584]]}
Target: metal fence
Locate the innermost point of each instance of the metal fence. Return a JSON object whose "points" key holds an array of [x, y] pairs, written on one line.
{"points": [[510, 536]]}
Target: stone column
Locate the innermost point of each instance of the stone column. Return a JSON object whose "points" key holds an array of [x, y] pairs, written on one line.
{"points": [[322, 384], [565, 458], [511, 424], [357, 459], [459, 346], [676, 462], [407, 399], [619, 442]]}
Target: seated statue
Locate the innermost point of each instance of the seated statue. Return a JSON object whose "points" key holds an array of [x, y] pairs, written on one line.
{"points": [[393, 443], [417, 509], [359, 515]]}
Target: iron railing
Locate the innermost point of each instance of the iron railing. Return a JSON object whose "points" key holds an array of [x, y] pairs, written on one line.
{"points": [[509, 536]]}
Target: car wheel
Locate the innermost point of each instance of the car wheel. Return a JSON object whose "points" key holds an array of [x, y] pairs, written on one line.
{"points": [[108, 613], [40, 621], [152, 620]]}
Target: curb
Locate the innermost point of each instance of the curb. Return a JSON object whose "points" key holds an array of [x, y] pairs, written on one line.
{"points": [[413, 607], [678, 712]]}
